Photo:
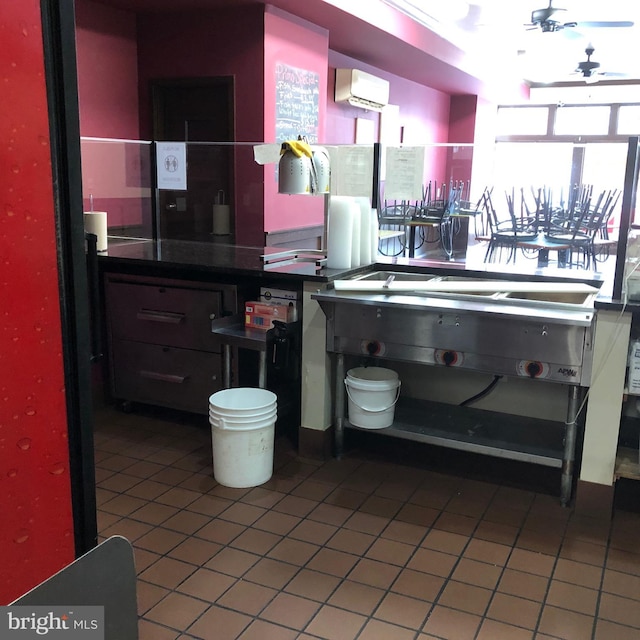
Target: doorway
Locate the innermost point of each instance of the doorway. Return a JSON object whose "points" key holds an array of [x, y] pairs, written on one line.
{"points": [[196, 111]]}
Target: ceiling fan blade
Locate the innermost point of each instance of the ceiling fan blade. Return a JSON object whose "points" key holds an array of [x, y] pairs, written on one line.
{"points": [[599, 24]]}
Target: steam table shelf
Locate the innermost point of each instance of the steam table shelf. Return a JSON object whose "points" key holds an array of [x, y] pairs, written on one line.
{"points": [[486, 432]]}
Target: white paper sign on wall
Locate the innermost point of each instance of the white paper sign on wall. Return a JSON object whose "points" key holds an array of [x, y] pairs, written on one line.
{"points": [[171, 165]]}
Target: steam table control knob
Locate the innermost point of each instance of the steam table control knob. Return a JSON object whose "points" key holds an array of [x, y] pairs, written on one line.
{"points": [[449, 358], [373, 348], [534, 369]]}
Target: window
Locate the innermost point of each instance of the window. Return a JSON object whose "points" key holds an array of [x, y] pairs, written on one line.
{"points": [[582, 121], [527, 121], [629, 120]]}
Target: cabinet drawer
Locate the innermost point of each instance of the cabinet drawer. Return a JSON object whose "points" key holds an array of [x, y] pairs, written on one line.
{"points": [[173, 316], [165, 376]]}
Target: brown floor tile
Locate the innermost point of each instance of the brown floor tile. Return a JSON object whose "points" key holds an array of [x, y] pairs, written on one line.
{"points": [[147, 490], [122, 505], [451, 624], [351, 541], [103, 495], [357, 597], [375, 574], [195, 551], [206, 585], [523, 585], [312, 531], [160, 540], [379, 506], [496, 532], [390, 551], [403, 611], [400, 489], [583, 552], [620, 610], [295, 506], [366, 523], [606, 630], [233, 562], [455, 523], [200, 482], [261, 497], [278, 523], [293, 551], [130, 529], [477, 573], [330, 514], [467, 506], [489, 552], [271, 573], [290, 610], [625, 561], [572, 597], [154, 513], [418, 584], [539, 541], [224, 623], [117, 463], [333, 562], [220, 531], [578, 573], [261, 630], [417, 514], [148, 630], [256, 541], [531, 562], [171, 476], [445, 541], [178, 497], [508, 516], [313, 585], [404, 532], [379, 630], [144, 559], [119, 482], [514, 610], [621, 584], [105, 520], [148, 595], [587, 529], [313, 490], [429, 561], [336, 624], [465, 597], [167, 572], [247, 597], [177, 611], [209, 505], [494, 630], [186, 522], [561, 623], [241, 513], [346, 498]]}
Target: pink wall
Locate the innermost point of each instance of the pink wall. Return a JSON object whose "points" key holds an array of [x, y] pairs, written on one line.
{"points": [[36, 535], [107, 71], [290, 41]]}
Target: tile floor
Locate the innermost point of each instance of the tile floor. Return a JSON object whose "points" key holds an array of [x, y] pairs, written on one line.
{"points": [[359, 548]]}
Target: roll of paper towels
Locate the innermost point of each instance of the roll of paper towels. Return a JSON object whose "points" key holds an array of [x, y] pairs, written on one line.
{"points": [[355, 235], [96, 222], [342, 211], [365, 230], [221, 220]]}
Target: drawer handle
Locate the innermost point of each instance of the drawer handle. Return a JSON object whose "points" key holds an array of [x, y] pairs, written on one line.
{"points": [[160, 316], [163, 377]]}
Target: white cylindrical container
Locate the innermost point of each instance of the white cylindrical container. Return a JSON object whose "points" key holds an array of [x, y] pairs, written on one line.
{"points": [[355, 235], [242, 435], [365, 230], [221, 220], [342, 211], [372, 393], [96, 222]]}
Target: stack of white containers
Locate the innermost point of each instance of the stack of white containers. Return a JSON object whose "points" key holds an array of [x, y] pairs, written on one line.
{"points": [[352, 233]]}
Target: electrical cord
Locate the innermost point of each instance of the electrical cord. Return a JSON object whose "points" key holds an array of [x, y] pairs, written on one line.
{"points": [[483, 394]]}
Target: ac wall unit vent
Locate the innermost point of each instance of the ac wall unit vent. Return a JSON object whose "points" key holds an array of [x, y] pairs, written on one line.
{"points": [[361, 89]]}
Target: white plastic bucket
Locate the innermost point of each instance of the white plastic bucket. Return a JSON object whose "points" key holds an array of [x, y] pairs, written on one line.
{"points": [[372, 394], [242, 434]]}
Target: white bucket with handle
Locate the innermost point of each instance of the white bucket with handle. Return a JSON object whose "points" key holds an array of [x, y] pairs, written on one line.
{"points": [[242, 433], [372, 393]]}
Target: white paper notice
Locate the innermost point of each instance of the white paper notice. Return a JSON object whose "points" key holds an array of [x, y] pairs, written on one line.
{"points": [[171, 163], [351, 170], [405, 172], [266, 153]]}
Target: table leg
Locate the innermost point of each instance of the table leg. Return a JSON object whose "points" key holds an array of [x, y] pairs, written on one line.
{"points": [[338, 408], [568, 457], [262, 370], [226, 366], [543, 257]]}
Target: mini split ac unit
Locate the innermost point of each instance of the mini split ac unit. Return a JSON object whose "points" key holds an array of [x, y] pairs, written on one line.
{"points": [[361, 89]]}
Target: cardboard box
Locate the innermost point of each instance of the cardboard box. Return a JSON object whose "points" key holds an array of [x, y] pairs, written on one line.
{"points": [[260, 315], [282, 297]]}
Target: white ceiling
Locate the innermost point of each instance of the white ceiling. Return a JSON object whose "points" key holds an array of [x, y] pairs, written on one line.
{"points": [[496, 30]]}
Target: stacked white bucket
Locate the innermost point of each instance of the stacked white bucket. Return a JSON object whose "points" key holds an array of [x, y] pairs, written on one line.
{"points": [[352, 232], [242, 431], [372, 394]]}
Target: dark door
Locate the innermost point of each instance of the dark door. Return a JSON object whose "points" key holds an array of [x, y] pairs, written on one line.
{"points": [[195, 111]]}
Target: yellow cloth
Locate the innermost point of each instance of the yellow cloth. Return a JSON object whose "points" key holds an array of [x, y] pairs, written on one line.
{"points": [[298, 147]]}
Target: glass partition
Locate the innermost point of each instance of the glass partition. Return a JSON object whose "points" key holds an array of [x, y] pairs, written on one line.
{"points": [[117, 178]]}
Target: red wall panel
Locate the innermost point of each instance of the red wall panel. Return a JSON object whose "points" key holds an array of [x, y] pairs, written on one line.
{"points": [[36, 530]]}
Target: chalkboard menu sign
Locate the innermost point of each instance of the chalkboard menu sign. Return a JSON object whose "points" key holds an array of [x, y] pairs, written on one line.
{"points": [[297, 95]]}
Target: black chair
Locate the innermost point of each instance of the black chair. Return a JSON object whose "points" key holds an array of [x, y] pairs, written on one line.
{"points": [[392, 222]]}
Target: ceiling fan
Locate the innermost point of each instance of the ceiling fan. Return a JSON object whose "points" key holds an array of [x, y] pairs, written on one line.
{"points": [[589, 69], [548, 20]]}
